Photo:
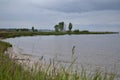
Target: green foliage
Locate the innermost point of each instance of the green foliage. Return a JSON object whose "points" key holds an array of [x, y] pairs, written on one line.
{"points": [[9, 70], [76, 31], [56, 28], [33, 29], [70, 27], [61, 26], [86, 31], [22, 29]]}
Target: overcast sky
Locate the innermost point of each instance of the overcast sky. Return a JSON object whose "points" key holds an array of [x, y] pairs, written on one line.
{"points": [[45, 14]]}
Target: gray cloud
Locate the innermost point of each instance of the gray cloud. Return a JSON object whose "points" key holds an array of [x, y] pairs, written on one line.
{"points": [[73, 6], [46, 13], [81, 5], [62, 5]]}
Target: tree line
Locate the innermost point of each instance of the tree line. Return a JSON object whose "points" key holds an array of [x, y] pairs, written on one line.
{"points": [[60, 27]]}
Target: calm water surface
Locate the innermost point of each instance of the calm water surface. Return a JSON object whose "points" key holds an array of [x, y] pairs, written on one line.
{"points": [[92, 50]]}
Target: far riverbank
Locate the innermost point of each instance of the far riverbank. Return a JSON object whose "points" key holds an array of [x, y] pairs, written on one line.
{"points": [[23, 33]]}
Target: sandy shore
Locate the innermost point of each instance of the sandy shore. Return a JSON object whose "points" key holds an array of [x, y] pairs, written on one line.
{"points": [[23, 59]]}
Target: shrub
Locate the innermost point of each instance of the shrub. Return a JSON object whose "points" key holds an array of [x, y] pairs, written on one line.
{"points": [[77, 30]]}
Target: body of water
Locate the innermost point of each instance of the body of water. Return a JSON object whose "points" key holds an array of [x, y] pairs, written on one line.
{"points": [[90, 50]]}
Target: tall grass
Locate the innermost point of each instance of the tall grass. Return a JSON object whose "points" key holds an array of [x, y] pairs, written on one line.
{"points": [[10, 69]]}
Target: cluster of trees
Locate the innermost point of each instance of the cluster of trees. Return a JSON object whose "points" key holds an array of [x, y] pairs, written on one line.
{"points": [[33, 29], [26, 29], [22, 29], [60, 27]]}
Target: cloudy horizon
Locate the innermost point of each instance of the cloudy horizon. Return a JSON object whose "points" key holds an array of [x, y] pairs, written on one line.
{"points": [[44, 14]]}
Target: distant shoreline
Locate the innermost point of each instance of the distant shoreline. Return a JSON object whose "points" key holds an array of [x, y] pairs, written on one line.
{"points": [[13, 34]]}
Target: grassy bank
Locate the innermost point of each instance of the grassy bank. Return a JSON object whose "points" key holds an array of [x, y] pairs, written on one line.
{"points": [[17, 34], [11, 70]]}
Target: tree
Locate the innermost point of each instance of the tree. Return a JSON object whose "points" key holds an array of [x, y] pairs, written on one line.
{"points": [[76, 31], [33, 29], [70, 27], [61, 26], [56, 28]]}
